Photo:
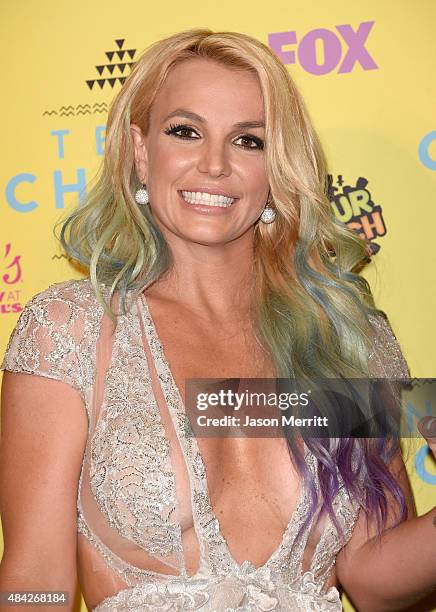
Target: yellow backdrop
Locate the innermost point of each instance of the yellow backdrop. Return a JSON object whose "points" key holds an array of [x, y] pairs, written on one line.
{"points": [[365, 70]]}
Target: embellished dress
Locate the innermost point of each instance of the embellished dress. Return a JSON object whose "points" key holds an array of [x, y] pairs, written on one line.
{"points": [[128, 510]]}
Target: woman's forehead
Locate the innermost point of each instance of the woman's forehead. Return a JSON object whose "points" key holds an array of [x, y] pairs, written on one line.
{"points": [[207, 88]]}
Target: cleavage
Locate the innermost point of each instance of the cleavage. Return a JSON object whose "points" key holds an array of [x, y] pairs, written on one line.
{"points": [[254, 490]]}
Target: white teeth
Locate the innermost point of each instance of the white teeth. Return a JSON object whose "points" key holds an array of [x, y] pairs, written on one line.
{"points": [[207, 199]]}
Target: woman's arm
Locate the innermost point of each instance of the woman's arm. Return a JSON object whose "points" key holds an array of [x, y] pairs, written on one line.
{"points": [[399, 569], [43, 437]]}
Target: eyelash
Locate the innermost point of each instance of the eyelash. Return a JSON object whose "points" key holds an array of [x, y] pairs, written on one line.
{"points": [[176, 128]]}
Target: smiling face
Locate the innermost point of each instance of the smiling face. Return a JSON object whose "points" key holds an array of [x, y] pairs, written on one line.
{"points": [[194, 144]]}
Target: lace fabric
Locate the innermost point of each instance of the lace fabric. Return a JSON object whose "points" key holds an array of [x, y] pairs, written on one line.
{"points": [[133, 513]]}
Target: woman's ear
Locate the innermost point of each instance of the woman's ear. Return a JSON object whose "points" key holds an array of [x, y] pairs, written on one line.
{"points": [[140, 152]]}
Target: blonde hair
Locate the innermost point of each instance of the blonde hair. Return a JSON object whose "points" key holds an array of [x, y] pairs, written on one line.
{"points": [[311, 307], [303, 261]]}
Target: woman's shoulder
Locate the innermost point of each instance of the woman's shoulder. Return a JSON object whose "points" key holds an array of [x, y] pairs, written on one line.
{"points": [[386, 358], [56, 333], [77, 293], [65, 302]]}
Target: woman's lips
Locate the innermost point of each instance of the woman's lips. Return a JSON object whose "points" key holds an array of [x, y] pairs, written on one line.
{"points": [[206, 209]]}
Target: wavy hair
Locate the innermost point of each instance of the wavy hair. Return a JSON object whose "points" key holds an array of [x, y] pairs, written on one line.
{"points": [[311, 307]]}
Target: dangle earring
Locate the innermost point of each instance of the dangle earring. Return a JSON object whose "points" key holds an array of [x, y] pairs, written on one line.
{"points": [[141, 195]]}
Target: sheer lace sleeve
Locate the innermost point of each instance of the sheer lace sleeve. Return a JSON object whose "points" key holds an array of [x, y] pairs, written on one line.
{"points": [[55, 333], [387, 359]]}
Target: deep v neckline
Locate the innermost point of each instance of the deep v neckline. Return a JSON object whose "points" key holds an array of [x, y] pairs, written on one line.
{"points": [[195, 463]]}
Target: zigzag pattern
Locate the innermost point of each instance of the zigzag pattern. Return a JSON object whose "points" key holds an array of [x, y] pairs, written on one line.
{"points": [[80, 109], [110, 69]]}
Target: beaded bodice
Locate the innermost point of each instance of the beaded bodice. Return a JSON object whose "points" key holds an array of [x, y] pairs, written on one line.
{"points": [[130, 539]]}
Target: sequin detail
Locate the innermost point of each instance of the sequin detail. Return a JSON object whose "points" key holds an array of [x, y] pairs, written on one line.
{"points": [[128, 465]]}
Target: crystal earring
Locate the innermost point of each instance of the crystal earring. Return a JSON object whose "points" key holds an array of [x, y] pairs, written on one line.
{"points": [[141, 195], [268, 215]]}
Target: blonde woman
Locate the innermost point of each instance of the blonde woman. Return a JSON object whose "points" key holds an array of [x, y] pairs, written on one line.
{"points": [[212, 253]]}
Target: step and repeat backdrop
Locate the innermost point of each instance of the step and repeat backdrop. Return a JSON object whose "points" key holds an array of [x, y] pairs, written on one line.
{"points": [[366, 71]]}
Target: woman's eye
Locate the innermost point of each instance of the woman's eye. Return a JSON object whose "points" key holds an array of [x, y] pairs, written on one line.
{"points": [[257, 142], [178, 130]]}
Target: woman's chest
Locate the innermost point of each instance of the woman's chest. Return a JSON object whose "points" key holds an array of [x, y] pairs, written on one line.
{"points": [[251, 482], [199, 349], [145, 473], [141, 427]]}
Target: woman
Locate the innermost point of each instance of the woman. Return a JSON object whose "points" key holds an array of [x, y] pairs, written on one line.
{"points": [[210, 237]]}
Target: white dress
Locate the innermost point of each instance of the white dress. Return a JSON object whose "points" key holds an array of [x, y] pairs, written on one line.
{"points": [[127, 505]]}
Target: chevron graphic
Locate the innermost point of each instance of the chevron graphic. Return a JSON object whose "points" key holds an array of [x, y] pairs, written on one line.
{"points": [[80, 109], [107, 73]]}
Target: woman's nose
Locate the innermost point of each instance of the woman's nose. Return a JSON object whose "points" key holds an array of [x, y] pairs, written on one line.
{"points": [[214, 159]]}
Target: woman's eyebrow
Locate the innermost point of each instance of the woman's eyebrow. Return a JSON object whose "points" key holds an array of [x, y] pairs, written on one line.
{"points": [[182, 112]]}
